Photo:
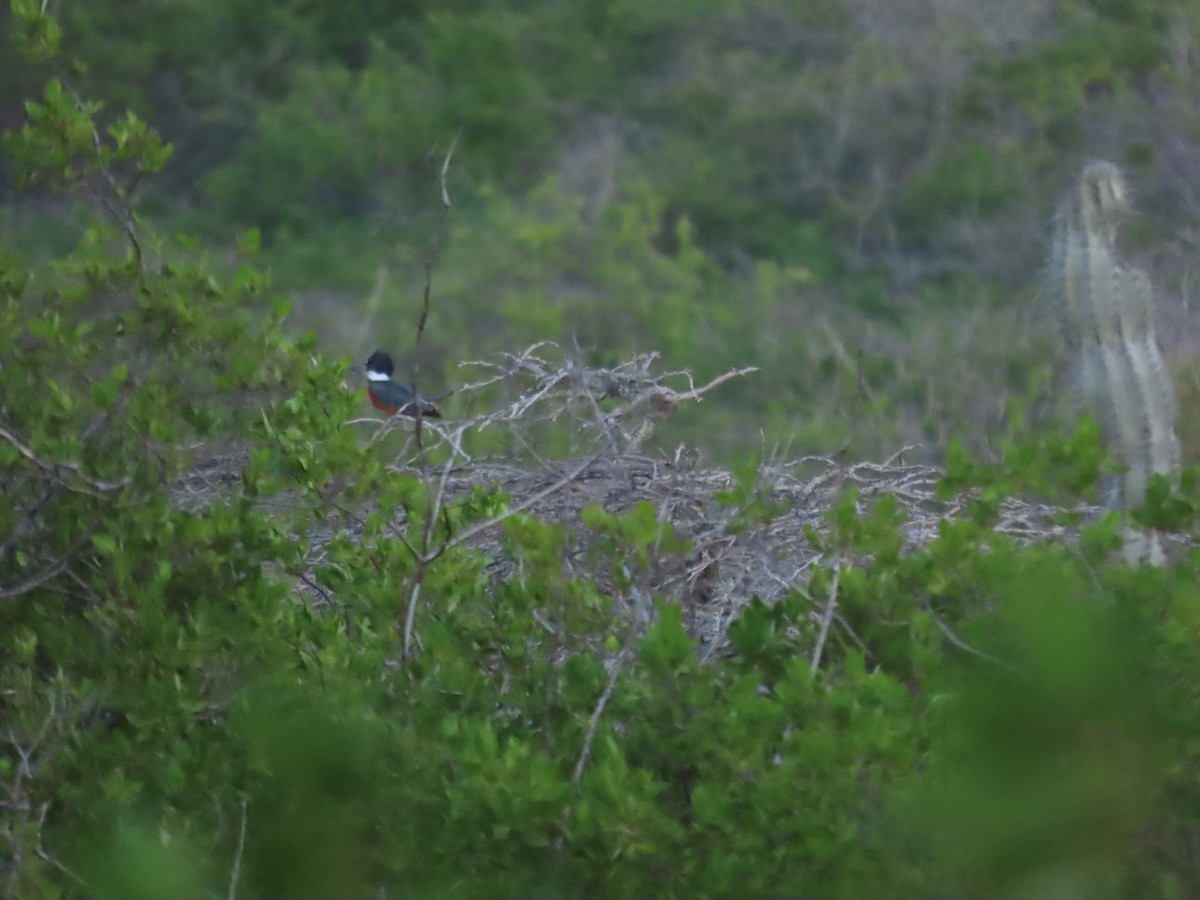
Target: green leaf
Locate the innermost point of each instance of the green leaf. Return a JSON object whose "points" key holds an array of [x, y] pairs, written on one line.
{"points": [[250, 242], [105, 543]]}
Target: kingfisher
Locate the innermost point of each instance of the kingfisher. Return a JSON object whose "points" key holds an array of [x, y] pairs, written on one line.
{"points": [[392, 396]]}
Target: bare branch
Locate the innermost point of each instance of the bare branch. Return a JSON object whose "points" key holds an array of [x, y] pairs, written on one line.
{"points": [[60, 467], [435, 249], [426, 556], [237, 856], [97, 426], [766, 556], [963, 645], [586, 750], [826, 618], [463, 536], [588, 737], [35, 581], [446, 169], [116, 205]]}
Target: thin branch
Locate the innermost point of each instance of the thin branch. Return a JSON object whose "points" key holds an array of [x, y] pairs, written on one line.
{"points": [[589, 736], [96, 426], [410, 616], [446, 169], [435, 248], [368, 319], [826, 618], [432, 506], [963, 645], [696, 392], [837, 615], [45, 856], [34, 582], [433, 510], [899, 454], [237, 856], [463, 536], [432, 501], [123, 212], [97, 487], [313, 585], [586, 751]]}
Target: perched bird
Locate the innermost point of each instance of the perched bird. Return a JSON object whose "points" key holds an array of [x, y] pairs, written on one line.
{"points": [[393, 396]]}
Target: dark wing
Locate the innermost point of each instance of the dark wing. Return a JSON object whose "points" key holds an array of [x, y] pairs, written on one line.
{"points": [[396, 397]]}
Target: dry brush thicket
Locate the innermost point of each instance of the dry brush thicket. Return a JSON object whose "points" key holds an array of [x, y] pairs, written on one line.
{"points": [[732, 557]]}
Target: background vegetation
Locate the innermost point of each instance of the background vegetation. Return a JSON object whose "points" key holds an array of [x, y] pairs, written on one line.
{"points": [[854, 197], [246, 697]]}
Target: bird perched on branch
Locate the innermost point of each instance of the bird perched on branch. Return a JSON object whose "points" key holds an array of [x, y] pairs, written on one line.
{"points": [[391, 396]]}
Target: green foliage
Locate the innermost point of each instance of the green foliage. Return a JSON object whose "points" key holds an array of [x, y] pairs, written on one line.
{"points": [[61, 142], [301, 169], [1053, 778], [37, 36], [1064, 467], [751, 498], [696, 150], [966, 180], [221, 694]]}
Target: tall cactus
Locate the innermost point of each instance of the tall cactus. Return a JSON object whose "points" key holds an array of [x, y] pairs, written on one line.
{"points": [[1117, 370]]}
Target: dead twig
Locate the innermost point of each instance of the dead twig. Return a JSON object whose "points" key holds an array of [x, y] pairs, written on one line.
{"points": [[826, 619], [433, 500], [431, 258], [588, 737], [237, 856], [60, 468], [593, 723], [467, 534], [974, 651]]}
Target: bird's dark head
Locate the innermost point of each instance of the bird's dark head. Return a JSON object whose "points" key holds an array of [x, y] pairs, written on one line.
{"points": [[380, 365]]}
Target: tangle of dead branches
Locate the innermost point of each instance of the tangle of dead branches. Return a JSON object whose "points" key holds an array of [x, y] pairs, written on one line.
{"points": [[614, 410]]}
